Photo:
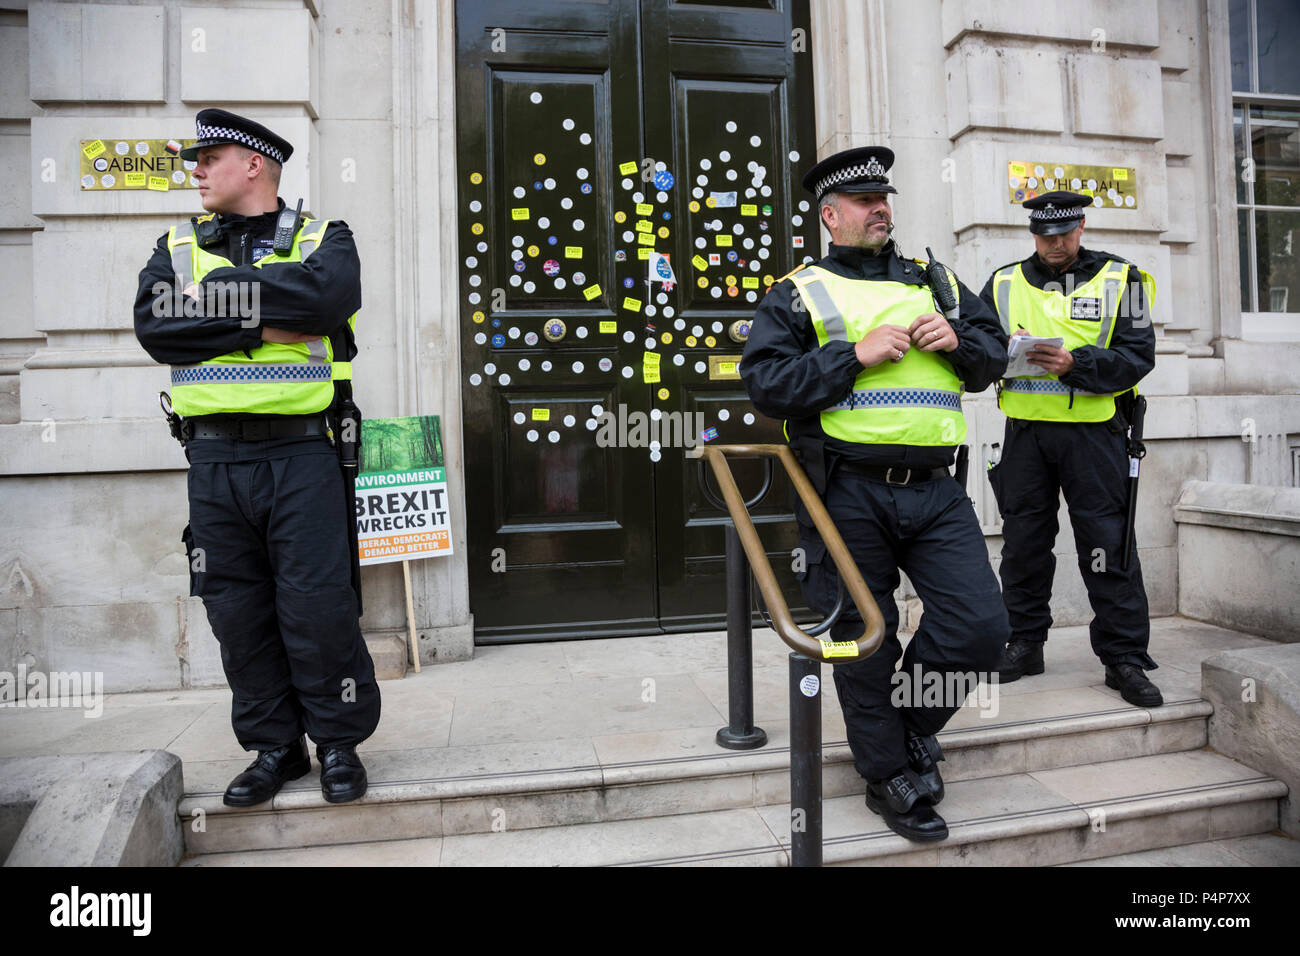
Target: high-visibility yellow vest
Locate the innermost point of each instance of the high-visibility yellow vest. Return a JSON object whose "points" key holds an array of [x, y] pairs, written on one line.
{"points": [[916, 401], [1086, 316], [272, 379]]}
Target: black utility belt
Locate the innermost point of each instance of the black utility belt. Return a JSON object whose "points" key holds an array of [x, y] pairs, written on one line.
{"points": [[894, 475], [255, 429]]}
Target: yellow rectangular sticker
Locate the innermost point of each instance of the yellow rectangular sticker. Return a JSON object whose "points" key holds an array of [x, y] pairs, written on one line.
{"points": [[631, 304], [724, 367], [1119, 173], [838, 649], [748, 209], [520, 212], [724, 238], [1017, 169], [607, 326], [647, 238], [749, 282], [644, 208], [699, 263], [136, 180], [93, 148], [159, 183], [591, 292], [644, 225], [573, 252], [627, 168], [541, 414], [650, 367], [643, 253]]}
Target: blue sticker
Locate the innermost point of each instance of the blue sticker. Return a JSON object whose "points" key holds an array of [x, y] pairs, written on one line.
{"points": [[628, 283], [496, 323], [537, 184], [709, 434], [667, 214], [519, 265], [586, 188], [664, 179], [731, 255], [551, 240], [1020, 195], [498, 340]]}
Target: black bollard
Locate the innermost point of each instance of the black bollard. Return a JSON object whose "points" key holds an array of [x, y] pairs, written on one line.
{"points": [[805, 761], [740, 733]]}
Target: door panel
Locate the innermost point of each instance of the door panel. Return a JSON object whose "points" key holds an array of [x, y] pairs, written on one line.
{"points": [[566, 112]]}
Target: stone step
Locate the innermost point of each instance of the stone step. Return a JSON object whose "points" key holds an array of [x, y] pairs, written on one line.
{"points": [[1043, 817], [442, 793]]}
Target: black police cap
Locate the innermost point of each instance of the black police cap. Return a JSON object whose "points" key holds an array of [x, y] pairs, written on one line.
{"points": [[858, 170], [215, 127], [1056, 212]]}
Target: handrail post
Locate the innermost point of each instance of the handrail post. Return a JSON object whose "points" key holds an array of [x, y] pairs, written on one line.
{"points": [[740, 733], [805, 761]]}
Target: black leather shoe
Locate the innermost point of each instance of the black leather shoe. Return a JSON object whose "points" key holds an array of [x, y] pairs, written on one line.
{"points": [[1020, 659], [342, 777], [267, 774], [905, 809], [1132, 684], [923, 754]]}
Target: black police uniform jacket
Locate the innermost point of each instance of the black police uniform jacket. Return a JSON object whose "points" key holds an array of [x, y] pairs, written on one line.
{"points": [[315, 297], [1132, 351], [789, 375]]}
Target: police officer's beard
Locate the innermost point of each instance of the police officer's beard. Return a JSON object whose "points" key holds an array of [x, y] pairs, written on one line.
{"points": [[872, 239]]}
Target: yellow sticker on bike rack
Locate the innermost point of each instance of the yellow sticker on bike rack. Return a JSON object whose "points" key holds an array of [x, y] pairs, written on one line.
{"points": [[838, 649]]}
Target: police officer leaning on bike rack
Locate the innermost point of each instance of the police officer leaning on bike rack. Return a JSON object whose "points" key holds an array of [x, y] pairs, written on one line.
{"points": [[269, 540], [1066, 431], [852, 352]]}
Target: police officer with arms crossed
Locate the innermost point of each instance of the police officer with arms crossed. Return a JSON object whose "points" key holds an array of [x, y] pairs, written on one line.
{"points": [[268, 539], [1066, 432], [851, 351]]}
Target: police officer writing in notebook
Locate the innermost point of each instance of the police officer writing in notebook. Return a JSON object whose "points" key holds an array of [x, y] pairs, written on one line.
{"points": [[1066, 431], [852, 352], [253, 307]]}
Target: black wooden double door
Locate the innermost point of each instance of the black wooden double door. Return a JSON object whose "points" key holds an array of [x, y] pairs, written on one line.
{"points": [[628, 189]]}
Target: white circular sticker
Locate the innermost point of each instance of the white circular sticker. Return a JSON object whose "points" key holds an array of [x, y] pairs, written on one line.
{"points": [[579, 278], [803, 205], [582, 172], [627, 371], [661, 196], [142, 148], [749, 418], [479, 338], [519, 192], [699, 368], [577, 368], [627, 184], [655, 415], [731, 126], [629, 235], [585, 139], [529, 286], [482, 247], [724, 156], [591, 424], [580, 331], [122, 148], [475, 379], [517, 241], [87, 181], [701, 242], [794, 155], [568, 124], [546, 365], [549, 183], [629, 336], [578, 225], [101, 164], [552, 436], [637, 197], [535, 96], [717, 327], [471, 262], [513, 332], [697, 193], [668, 312], [723, 414], [605, 364], [701, 180], [809, 685], [476, 281], [566, 203], [531, 435], [655, 454], [650, 344], [543, 223], [525, 365], [597, 411], [650, 310], [679, 359], [489, 369], [520, 418], [715, 292], [530, 338]]}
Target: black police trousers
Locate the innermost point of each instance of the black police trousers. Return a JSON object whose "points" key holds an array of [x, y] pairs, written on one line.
{"points": [[269, 555], [1088, 461], [930, 531]]}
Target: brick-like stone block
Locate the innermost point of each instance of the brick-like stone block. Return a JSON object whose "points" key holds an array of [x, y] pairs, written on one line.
{"points": [[1120, 21], [1182, 204], [97, 53], [1116, 96], [283, 44], [15, 201], [1004, 88], [16, 319], [15, 93], [1184, 127]]}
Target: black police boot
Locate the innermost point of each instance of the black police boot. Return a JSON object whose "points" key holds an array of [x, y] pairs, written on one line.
{"points": [[342, 777], [1020, 659], [1133, 686], [906, 810], [922, 756], [267, 774]]}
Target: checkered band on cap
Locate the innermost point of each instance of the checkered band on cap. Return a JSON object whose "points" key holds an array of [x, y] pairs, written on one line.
{"points": [[239, 136], [1051, 212], [871, 171]]}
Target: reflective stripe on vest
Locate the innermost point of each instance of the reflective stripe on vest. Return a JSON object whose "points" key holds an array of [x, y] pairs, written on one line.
{"points": [[915, 401], [1049, 313], [286, 379]]}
